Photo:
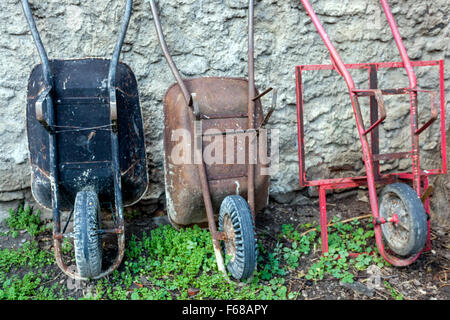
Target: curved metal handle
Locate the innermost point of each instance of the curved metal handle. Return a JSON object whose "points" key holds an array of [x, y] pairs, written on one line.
{"points": [[173, 67], [165, 50], [335, 58], [115, 61], [399, 42], [37, 40]]}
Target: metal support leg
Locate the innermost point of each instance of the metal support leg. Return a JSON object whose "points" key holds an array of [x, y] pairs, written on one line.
{"points": [[374, 134], [323, 219], [201, 167]]}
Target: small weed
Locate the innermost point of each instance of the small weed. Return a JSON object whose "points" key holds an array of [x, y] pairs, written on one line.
{"points": [[66, 247], [28, 255], [164, 263], [273, 267], [131, 214], [343, 238], [394, 293], [29, 287], [24, 219]]}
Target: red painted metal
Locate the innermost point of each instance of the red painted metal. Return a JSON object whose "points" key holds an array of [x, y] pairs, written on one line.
{"points": [[426, 204], [442, 114], [323, 218], [379, 65], [413, 95], [394, 219], [399, 42], [418, 177]]}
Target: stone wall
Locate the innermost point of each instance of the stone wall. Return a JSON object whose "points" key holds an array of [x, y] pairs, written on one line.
{"points": [[208, 38]]}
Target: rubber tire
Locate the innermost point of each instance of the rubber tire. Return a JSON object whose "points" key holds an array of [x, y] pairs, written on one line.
{"points": [[417, 219], [87, 241], [244, 263]]}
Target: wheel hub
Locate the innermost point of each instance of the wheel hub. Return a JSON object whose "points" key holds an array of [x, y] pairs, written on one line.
{"points": [[396, 215]]}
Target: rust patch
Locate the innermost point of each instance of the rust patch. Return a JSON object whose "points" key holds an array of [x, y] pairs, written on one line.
{"points": [[217, 96]]}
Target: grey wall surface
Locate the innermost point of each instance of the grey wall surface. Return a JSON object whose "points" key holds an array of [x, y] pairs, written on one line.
{"points": [[209, 38]]}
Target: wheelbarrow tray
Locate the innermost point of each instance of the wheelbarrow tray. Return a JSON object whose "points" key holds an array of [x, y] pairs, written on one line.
{"points": [[83, 128], [223, 104]]}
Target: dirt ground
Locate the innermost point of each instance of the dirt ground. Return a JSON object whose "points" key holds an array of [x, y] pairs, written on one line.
{"points": [[425, 279]]}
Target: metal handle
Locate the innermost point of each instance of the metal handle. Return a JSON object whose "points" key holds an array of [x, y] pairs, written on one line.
{"points": [[434, 112], [37, 40], [335, 58], [399, 42], [170, 62], [44, 58], [380, 103], [196, 107], [114, 62], [172, 65]]}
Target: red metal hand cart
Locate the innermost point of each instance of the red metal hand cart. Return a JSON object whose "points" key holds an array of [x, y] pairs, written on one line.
{"points": [[400, 218]]}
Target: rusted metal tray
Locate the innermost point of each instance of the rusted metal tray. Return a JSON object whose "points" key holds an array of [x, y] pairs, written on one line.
{"points": [[81, 101], [223, 106]]}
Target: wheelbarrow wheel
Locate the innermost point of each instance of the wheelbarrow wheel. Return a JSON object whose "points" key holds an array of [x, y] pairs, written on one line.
{"points": [[407, 233], [87, 240], [235, 219]]}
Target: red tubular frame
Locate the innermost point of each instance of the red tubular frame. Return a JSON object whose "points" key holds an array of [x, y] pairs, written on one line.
{"points": [[371, 157]]}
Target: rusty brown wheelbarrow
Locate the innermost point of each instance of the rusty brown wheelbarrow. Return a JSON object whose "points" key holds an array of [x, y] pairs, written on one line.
{"points": [[205, 112]]}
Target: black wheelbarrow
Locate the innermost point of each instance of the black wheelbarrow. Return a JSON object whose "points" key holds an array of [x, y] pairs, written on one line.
{"points": [[196, 189], [86, 147]]}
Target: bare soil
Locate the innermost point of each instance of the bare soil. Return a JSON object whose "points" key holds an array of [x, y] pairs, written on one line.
{"points": [[425, 279]]}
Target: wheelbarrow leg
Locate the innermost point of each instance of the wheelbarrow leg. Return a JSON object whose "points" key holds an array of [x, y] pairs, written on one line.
{"points": [[118, 202], [54, 180], [205, 188], [251, 113], [48, 81], [323, 218], [210, 216]]}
